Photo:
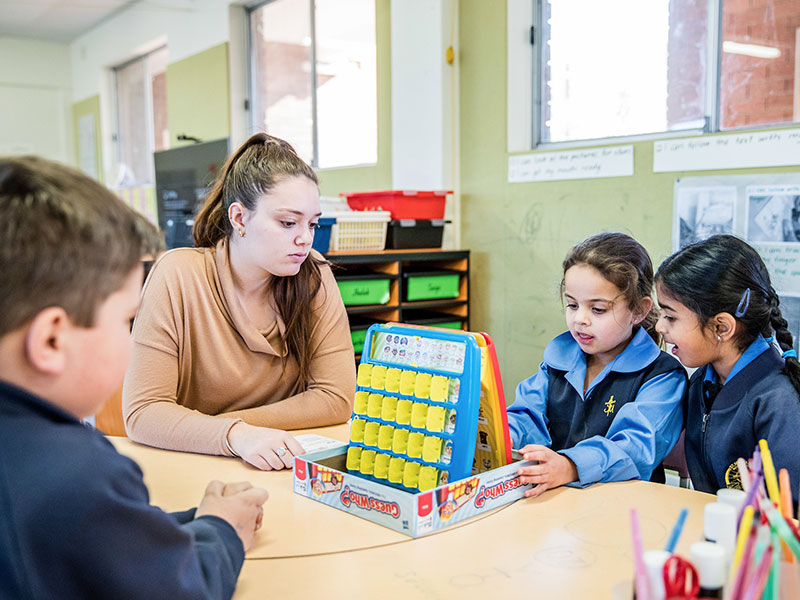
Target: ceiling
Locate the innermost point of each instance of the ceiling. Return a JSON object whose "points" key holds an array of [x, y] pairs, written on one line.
{"points": [[55, 20]]}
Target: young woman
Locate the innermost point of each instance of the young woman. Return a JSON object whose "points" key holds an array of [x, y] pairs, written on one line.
{"points": [[245, 335], [605, 404]]}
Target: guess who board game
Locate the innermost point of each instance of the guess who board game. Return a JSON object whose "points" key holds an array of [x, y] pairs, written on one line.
{"points": [[428, 409], [429, 443]]}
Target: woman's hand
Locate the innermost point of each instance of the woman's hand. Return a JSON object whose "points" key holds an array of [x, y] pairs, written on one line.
{"points": [[553, 470], [264, 448]]}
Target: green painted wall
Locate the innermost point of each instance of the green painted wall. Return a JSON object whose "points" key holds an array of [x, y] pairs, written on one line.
{"points": [[89, 106], [198, 100], [519, 233], [379, 176]]}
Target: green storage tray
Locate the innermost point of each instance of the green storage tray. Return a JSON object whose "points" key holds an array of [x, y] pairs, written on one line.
{"points": [[432, 287], [359, 336], [357, 292]]}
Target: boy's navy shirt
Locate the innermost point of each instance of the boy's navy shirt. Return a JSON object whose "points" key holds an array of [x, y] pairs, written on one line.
{"points": [[76, 522], [756, 402], [621, 427]]}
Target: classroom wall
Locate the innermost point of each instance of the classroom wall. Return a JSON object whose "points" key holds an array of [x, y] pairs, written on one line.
{"points": [[35, 93], [519, 233], [198, 98]]}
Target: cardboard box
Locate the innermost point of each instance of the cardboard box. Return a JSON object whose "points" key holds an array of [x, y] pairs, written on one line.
{"points": [[322, 476]]}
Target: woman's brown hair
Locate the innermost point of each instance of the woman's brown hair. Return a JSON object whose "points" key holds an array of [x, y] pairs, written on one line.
{"points": [[624, 262], [250, 173]]}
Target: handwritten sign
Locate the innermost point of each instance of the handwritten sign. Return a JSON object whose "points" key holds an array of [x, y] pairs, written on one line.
{"points": [[735, 151], [614, 161], [783, 263]]}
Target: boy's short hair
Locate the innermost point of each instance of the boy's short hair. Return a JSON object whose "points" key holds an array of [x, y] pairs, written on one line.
{"points": [[65, 240]]}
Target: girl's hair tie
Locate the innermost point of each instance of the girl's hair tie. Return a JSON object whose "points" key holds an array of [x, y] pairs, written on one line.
{"points": [[789, 354], [744, 303]]}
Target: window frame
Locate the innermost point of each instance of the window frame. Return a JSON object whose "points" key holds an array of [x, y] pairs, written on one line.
{"points": [[149, 109], [251, 80], [534, 11]]}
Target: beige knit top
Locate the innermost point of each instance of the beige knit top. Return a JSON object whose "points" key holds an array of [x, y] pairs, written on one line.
{"points": [[199, 365]]}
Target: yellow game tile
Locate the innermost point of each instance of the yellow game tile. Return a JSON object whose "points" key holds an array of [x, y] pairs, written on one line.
{"points": [[403, 416], [396, 466], [357, 430], [435, 420], [360, 404], [389, 410], [408, 380], [381, 470], [385, 436], [400, 441], [371, 433], [411, 474], [422, 388], [368, 461], [431, 448], [439, 388], [378, 377], [354, 458], [393, 380], [364, 374], [415, 441], [374, 406], [428, 478], [419, 415]]}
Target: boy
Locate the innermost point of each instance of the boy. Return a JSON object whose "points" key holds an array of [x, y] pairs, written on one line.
{"points": [[75, 519]]}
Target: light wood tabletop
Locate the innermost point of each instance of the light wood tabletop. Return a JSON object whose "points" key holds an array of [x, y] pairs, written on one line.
{"points": [[568, 543]]}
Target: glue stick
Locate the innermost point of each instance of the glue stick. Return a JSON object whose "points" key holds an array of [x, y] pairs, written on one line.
{"points": [[719, 526], [654, 563], [711, 563]]}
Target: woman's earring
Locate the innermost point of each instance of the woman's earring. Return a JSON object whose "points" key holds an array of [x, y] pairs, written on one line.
{"points": [[241, 232], [719, 338]]}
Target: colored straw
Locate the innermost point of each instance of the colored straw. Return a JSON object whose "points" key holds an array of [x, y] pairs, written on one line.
{"points": [[769, 473], [751, 497], [744, 473], [757, 583], [745, 562], [786, 493], [745, 527], [779, 526], [642, 580], [676, 531]]}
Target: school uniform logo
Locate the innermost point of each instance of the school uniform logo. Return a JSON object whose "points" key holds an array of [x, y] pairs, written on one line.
{"points": [[733, 478], [609, 410]]}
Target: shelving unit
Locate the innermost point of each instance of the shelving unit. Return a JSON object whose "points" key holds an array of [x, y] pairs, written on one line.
{"points": [[431, 267]]}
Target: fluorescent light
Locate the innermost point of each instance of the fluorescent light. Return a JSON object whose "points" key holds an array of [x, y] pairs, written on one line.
{"points": [[751, 50]]}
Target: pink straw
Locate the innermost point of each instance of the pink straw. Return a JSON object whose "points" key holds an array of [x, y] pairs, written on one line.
{"points": [[642, 580], [759, 580]]}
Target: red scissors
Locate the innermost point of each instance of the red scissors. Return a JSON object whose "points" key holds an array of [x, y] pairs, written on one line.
{"points": [[680, 578]]}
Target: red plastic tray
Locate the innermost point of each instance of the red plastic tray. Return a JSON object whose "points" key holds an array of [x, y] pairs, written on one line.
{"points": [[403, 204]]}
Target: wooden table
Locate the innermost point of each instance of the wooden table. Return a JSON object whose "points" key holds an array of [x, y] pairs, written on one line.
{"points": [[568, 543]]}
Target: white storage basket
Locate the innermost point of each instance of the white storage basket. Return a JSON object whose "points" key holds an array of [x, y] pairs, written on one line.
{"points": [[360, 230]]}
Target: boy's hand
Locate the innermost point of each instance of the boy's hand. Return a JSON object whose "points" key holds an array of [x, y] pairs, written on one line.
{"points": [[264, 448], [240, 504], [553, 470]]}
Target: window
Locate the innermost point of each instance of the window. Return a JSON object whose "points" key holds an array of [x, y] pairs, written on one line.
{"points": [[141, 116], [313, 78], [627, 67]]}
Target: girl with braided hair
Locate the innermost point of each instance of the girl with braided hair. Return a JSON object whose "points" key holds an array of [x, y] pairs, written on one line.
{"points": [[722, 314]]}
